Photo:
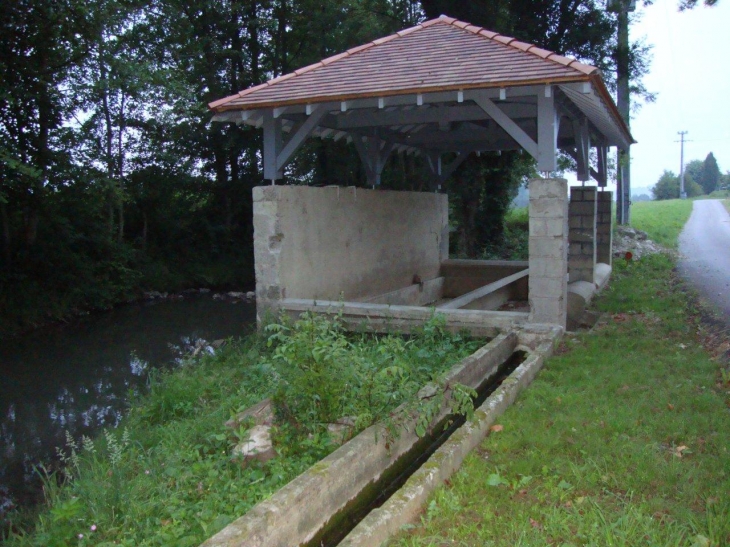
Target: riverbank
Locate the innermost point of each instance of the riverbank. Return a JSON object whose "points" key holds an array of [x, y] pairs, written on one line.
{"points": [[26, 307], [621, 440], [166, 475]]}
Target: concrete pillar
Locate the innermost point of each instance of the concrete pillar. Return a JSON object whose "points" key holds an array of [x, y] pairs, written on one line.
{"points": [[267, 237], [604, 232], [582, 236], [548, 245]]}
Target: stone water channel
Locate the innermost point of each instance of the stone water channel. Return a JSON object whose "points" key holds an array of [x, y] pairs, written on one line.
{"points": [[79, 377]]}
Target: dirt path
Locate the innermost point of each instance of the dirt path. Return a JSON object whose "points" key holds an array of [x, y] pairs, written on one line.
{"points": [[704, 247]]}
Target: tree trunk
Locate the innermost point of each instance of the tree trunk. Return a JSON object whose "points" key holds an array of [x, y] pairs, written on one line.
{"points": [[120, 163]]}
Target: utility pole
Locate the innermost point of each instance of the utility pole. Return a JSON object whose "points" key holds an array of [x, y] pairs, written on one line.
{"points": [[623, 168], [682, 193]]}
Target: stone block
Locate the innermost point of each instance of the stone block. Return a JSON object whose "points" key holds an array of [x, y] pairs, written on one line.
{"points": [[266, 193], [547, 227], [548, 188], [548, 267], [548, 247], [548, 310], [548, 208], [581, 236], [583, 208], [548, 287]]}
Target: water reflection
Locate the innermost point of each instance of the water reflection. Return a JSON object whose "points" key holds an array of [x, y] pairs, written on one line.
{"points": [[78, 378]]}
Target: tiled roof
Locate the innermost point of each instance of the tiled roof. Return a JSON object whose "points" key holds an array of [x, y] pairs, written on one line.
{"points": [[437, 55]]}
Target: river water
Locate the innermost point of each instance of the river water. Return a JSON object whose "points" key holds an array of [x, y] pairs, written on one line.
{"points": [[79, 377]]}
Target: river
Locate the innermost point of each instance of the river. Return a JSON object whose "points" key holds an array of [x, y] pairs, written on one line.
{"points": [[79, 377]]}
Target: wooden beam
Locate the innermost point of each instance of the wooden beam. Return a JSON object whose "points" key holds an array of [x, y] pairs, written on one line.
{"points": [[299, 134], [506, 123]]}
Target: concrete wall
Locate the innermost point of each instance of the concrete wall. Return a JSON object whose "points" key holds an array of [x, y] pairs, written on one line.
{"points": [[582, 236], [463, 276], [548, 248], [329, 243]]}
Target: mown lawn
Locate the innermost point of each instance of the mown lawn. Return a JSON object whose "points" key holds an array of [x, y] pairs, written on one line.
{"points": [[623, 439]]}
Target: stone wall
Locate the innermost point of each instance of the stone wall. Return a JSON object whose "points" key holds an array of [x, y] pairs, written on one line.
{"points": [[548, 247], [351, 243], [582, 236]]}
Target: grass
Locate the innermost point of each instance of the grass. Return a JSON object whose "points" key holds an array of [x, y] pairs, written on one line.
{"points": [[663, 220], [621, 440], [166, 476]]}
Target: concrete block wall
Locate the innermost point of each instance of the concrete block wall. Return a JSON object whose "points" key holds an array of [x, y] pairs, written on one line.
{"points": [[604, 233], [333, 243], [582, 236], [548, 249]]}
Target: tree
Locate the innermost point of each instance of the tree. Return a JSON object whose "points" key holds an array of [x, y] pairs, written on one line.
{"points": [[667, 187], [694, 169], [710, 175]]}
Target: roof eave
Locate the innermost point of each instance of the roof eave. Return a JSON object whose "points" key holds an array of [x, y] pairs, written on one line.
{"points": [[597, 81], [222, 107]]}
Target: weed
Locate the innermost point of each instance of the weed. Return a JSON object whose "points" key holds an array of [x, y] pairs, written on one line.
{"points": [[168, 478]]}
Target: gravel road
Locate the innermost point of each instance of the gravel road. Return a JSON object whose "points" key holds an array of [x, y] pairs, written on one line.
{"points": [[704, 246]]}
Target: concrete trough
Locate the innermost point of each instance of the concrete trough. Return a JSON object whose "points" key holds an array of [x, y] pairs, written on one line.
{"points": [[296, 513]]}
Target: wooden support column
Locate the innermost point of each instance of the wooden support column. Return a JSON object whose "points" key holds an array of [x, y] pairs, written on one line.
{"points": [[583, 148], [548, 124], [374, 154], [272, 146]]}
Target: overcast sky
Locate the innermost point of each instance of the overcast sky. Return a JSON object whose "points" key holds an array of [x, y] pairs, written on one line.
{"points": [[690, 72]]}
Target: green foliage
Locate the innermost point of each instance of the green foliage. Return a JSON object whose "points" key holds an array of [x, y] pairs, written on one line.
{"points": [[710, 177], [515, 238], [480, 193], [325, 374], [667, 187], [169, 479]]}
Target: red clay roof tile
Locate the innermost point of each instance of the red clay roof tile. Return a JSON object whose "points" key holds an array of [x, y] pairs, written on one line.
{"points": [[438, 54], [503, 39], [521, 45], [585, 69], [560, 59], [540, 52]]}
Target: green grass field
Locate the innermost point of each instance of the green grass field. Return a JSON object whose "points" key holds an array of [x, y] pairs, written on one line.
{"points": [[622, 439], [663, 220]]}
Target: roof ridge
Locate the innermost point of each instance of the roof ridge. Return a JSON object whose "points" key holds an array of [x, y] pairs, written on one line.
{"points": [[443, 19], [516, 44]]}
